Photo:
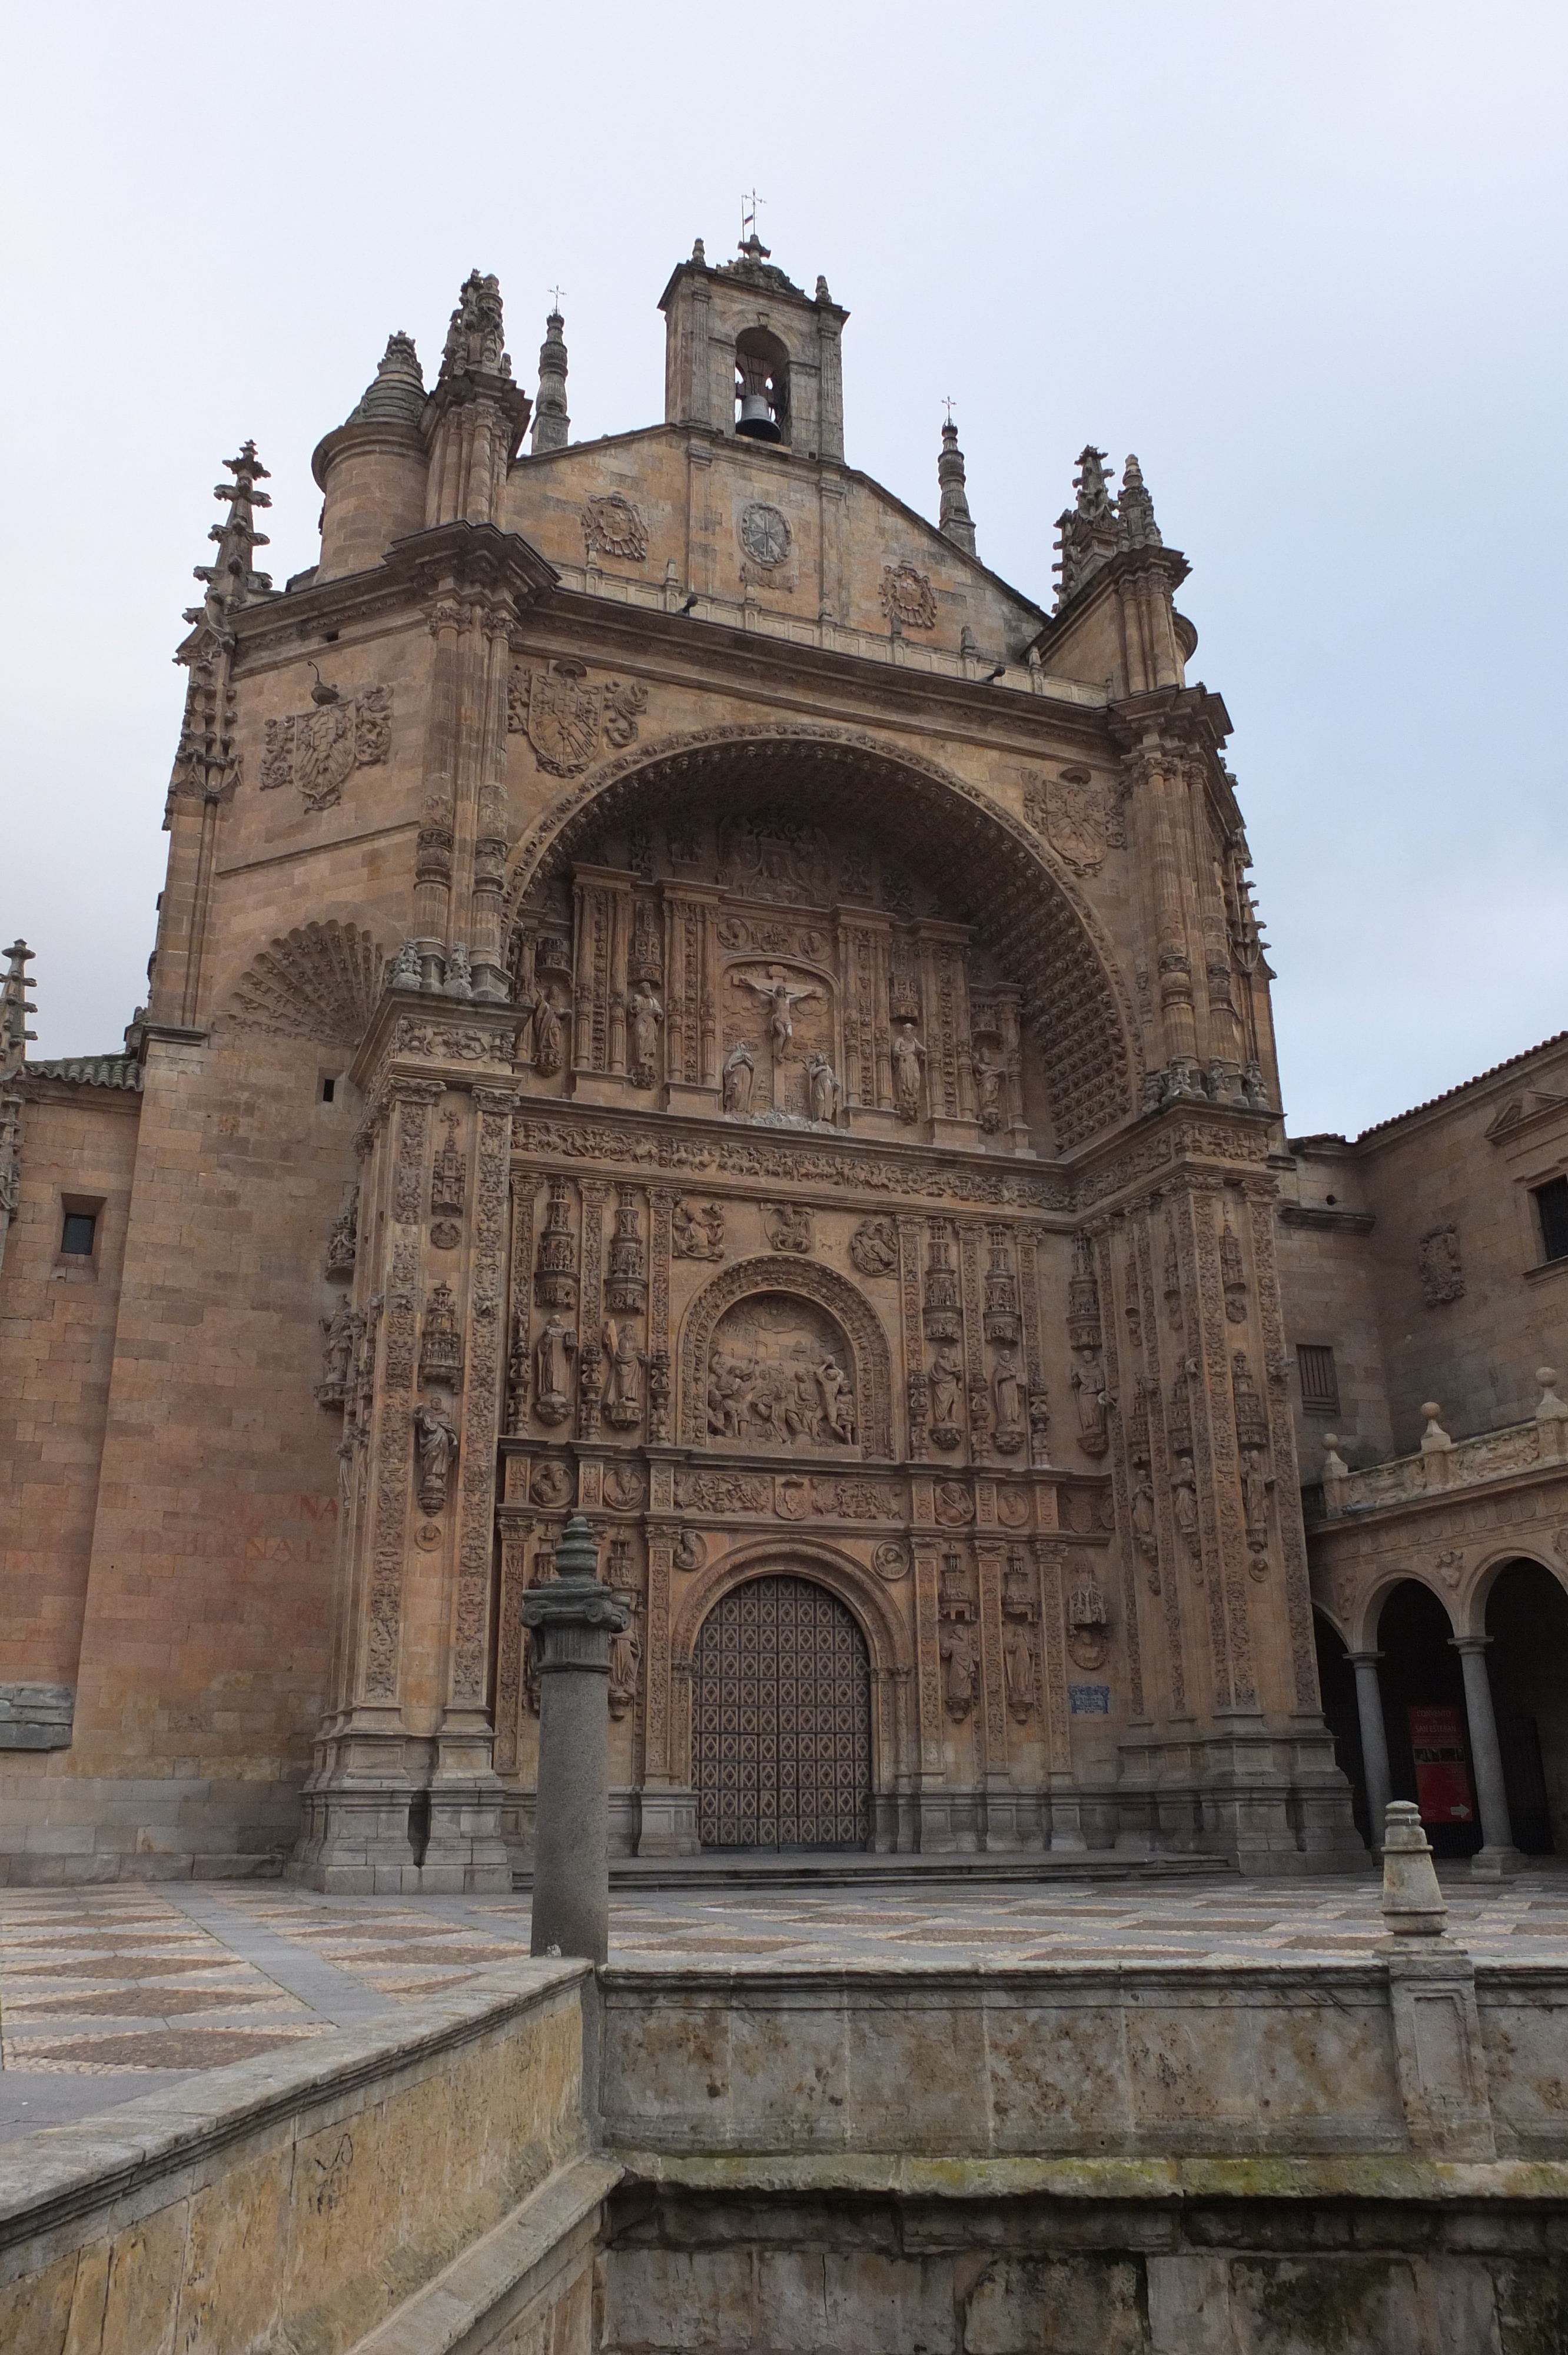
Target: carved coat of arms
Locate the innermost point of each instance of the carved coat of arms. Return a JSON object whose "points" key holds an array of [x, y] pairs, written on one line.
{"points": [[1070, 810], [562, 715], [319, 750]]}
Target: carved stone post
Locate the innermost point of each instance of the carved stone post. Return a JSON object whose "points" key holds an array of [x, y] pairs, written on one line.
{"points": [[1375, 1741], [1438, 2055], [572, 1620], [1497, 1854]]}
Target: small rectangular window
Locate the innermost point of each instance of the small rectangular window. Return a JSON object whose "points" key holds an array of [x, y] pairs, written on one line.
{"points": [[329, 1088], [1319, 1378], [76, 1236], [1552, 1206]]}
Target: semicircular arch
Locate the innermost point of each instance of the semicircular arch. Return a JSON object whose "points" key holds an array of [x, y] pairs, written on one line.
{"points": [[857, 1588], [1470, 1617], [1028, 907], [825, 1289]]}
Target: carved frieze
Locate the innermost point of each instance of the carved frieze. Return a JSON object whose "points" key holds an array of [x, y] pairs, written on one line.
{"points": [[319, 750], [724, 1492]]}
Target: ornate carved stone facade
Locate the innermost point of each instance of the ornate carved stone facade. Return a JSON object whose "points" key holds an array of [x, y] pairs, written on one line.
{"points": [[832, 1149]]}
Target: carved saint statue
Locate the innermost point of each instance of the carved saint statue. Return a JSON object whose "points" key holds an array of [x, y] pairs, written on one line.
{"points": [[959, 1665], [838, 1403], [645, 1014], [988, 1087], [822, 1087], [626, 1364], [435, 1437], [1255, 1485], [1088, 1392], [779, 1001], [908, 1068], [1143, 1520], [740, 1072], [1184, 1504], [947, 1377], [338, 1359], [1008, 1384], [1018, 1670], [546, 1036], [625, 1665], [553, 1352]]}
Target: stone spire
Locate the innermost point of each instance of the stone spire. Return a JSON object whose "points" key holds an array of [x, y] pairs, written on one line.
{"points": [[396, 394], [475, 418], [1135, 510], [14, 1008], [230, 582], [1087, 533], [551, 426], [955, 520]]}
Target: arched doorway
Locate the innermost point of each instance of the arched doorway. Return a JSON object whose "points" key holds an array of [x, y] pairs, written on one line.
{"points": [[1527, 1620], [781, 1720], [1430, 1759]]}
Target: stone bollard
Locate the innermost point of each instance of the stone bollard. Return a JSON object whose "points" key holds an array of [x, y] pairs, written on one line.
{"points": [[572, 1619], [1437, 2052]]}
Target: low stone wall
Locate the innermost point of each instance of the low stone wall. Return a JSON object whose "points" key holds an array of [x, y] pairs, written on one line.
{"points": [[1427, 2055], [303, 2200]]}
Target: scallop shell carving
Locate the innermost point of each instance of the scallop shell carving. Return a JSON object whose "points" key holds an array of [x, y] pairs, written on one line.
{"points": [[320, 981]]}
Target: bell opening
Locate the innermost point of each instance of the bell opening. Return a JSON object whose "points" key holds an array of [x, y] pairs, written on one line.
{"points": [[761, 387]]}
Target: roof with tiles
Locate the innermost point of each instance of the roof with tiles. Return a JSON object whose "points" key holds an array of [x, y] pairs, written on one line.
{"points": [[90, 1071], [1463, 1087]]}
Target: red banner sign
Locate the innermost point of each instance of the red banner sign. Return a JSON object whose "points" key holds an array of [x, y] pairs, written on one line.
{"points": [[1442, 1770]]}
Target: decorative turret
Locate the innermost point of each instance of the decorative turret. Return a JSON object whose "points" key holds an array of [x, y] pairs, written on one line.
{"points": [[231, 582], [476, 417], [955, 520], [371, 470], [551, 426]]}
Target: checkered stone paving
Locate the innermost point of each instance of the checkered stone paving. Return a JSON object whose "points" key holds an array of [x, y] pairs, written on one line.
{"points": [[107, 1994]]}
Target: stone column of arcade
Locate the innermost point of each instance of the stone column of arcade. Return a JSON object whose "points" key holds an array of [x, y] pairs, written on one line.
{"points": [[1497, 1854], [1374, 1743], [572, 1620]]}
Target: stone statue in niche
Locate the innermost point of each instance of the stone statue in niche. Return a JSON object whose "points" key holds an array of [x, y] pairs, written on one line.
{"points": [[1089, 1390], [945, 1380], [739, 1076], [1184, 1507], [644, 1014], [625, 1663], [776, 1376], [1007, 1386], [874, 1247], [821, 1088], [960, 1667], [1143, 1531], [341, 1330], [1019, 1673], [547, 1052], [908, 1072], [553, 1355], [989, 1077], [696, 1231], [441, 1343], [623, 1393], [435, 1436], [1256, 1483]]}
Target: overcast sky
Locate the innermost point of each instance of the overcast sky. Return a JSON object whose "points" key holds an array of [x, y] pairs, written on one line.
{"points": [[1307, 261]]}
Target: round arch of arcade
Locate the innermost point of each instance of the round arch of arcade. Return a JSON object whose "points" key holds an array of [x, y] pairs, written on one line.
{"points": [[894, 1736], [1464, 1604], [1033, 917], [824, 1289]]}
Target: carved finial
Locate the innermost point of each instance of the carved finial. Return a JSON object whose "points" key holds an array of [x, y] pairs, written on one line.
{"points": [[476, 334], [1334, 1465], [230, 582], [1435, 1440], [551, 426], [823, 293], [1135, 510], [1551, 1409], [955, 521], [699, 252]]}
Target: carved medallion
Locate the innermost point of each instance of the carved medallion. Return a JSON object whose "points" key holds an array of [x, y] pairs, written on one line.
{"points": [[612, 526], [874, 1247], [764, 535], [551, 1485], [890, 1560], [787, 1226], [446, 1234], [907, 597], [319, 750], [696, 1231], [954, 1505], [1073, 814], [623, 1488]]}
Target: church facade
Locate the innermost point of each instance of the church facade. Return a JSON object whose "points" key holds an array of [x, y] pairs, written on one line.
{"points": [[679, 995]]}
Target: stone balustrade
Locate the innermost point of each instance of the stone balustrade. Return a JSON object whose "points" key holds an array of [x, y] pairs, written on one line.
{"points": [[1442, 1463]]}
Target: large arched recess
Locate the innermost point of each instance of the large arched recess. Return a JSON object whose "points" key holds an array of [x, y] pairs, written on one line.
{"points": [[993, 873], [825, 1289]]}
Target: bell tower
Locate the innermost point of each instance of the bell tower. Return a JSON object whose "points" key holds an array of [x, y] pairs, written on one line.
{"points": [[748, 353]]}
